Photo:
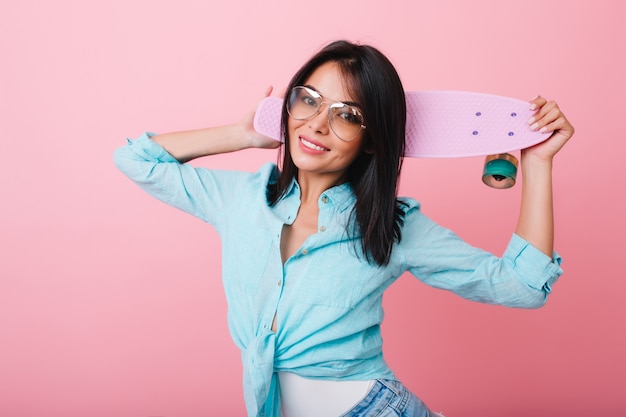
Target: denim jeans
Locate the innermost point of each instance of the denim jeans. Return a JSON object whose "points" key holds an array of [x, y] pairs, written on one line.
{"points": [[390, 399]]}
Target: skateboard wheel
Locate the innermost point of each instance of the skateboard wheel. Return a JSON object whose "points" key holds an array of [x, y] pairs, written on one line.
{"points": [[500, 170]]}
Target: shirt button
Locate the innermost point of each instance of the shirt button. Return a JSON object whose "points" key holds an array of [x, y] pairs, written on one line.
{"points": [[305, 252], [322, 228], [324, 199]]}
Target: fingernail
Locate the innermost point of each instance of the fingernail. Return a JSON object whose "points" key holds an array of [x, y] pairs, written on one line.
{"points": [[533, 106], [531, 120], [543, 130], [534, 126]]}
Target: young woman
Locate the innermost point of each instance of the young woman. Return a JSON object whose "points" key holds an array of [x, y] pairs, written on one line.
{"points": [[308, 250]]}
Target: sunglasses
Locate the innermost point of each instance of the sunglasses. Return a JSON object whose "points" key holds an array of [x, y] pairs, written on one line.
{"points": [[345, 120]]}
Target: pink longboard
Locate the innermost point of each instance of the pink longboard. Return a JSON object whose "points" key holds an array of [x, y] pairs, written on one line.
{"points": [[445, 124]]}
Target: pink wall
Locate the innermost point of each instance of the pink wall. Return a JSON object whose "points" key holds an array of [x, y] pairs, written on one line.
{"points": [[111, 303]]}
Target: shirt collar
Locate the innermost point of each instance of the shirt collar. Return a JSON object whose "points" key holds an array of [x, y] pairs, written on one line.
{"points": [[340, 196]]}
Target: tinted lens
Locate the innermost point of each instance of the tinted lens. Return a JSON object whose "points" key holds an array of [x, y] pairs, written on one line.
{"points": [[303, 103], [346, 121]]}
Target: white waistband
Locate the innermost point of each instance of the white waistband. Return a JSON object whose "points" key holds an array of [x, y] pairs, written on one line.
{"points": [[302, 397]]}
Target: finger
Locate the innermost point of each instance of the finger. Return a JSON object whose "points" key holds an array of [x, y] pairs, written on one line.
{"points": [[549, 116], [560, 125], [545, 109], [544, 115], [268, 91], [554, 121], [554, 125], [537, 102]]}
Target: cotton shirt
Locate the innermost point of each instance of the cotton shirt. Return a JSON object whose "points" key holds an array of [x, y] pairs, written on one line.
{"points": [[327, 299]]}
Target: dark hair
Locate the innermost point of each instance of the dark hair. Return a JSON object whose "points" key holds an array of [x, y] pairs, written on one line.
{"points": [[373, 82]]}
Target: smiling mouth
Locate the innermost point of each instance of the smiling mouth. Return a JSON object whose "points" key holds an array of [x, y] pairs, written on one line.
{"points": [[313, 146]]}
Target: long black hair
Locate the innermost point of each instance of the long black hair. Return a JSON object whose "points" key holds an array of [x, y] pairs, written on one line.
{"points": [[374, 83]]}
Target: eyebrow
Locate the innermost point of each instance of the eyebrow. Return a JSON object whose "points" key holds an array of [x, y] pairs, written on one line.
{"points": [[349, 103]]}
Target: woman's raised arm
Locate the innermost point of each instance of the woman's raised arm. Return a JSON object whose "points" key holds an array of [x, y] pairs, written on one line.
{"points": [[188, 145], [536, 220]]}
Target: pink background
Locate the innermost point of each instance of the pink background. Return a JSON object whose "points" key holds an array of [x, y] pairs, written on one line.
{"points": [[111, 303]]}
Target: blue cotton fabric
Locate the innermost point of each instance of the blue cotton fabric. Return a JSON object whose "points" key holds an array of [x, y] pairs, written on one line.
{"points": [[327, 299]]}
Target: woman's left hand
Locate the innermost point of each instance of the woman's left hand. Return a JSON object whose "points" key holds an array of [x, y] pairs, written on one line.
{"points": [[548, 118]]}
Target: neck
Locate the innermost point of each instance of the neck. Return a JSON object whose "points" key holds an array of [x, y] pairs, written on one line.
{"points": [[312, 186]]}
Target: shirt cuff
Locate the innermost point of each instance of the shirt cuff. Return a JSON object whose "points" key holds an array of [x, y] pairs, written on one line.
{"points": [[145, 145], [540, 271]]}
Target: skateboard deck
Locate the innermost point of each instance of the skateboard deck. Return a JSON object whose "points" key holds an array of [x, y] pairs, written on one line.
{"points": [[445, 124]]}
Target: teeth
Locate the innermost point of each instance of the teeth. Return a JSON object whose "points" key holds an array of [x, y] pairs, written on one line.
{"points": [[312, 145]]}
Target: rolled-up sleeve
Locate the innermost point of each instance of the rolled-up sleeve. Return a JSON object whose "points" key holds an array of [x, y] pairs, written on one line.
{"points": [[522, 277], [541, 271], [198, 191]]}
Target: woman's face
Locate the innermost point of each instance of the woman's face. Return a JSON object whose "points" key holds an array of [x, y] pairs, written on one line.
{"points": [[315, 148]]}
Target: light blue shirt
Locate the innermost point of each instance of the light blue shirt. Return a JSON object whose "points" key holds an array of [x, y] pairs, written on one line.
{"points": [[327, 299]]}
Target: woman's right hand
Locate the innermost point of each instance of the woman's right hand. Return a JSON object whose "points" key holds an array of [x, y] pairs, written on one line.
{"points": [[256, 139]]}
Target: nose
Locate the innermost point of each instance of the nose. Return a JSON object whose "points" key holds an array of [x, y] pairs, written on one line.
{"points": [[320, 122]]}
